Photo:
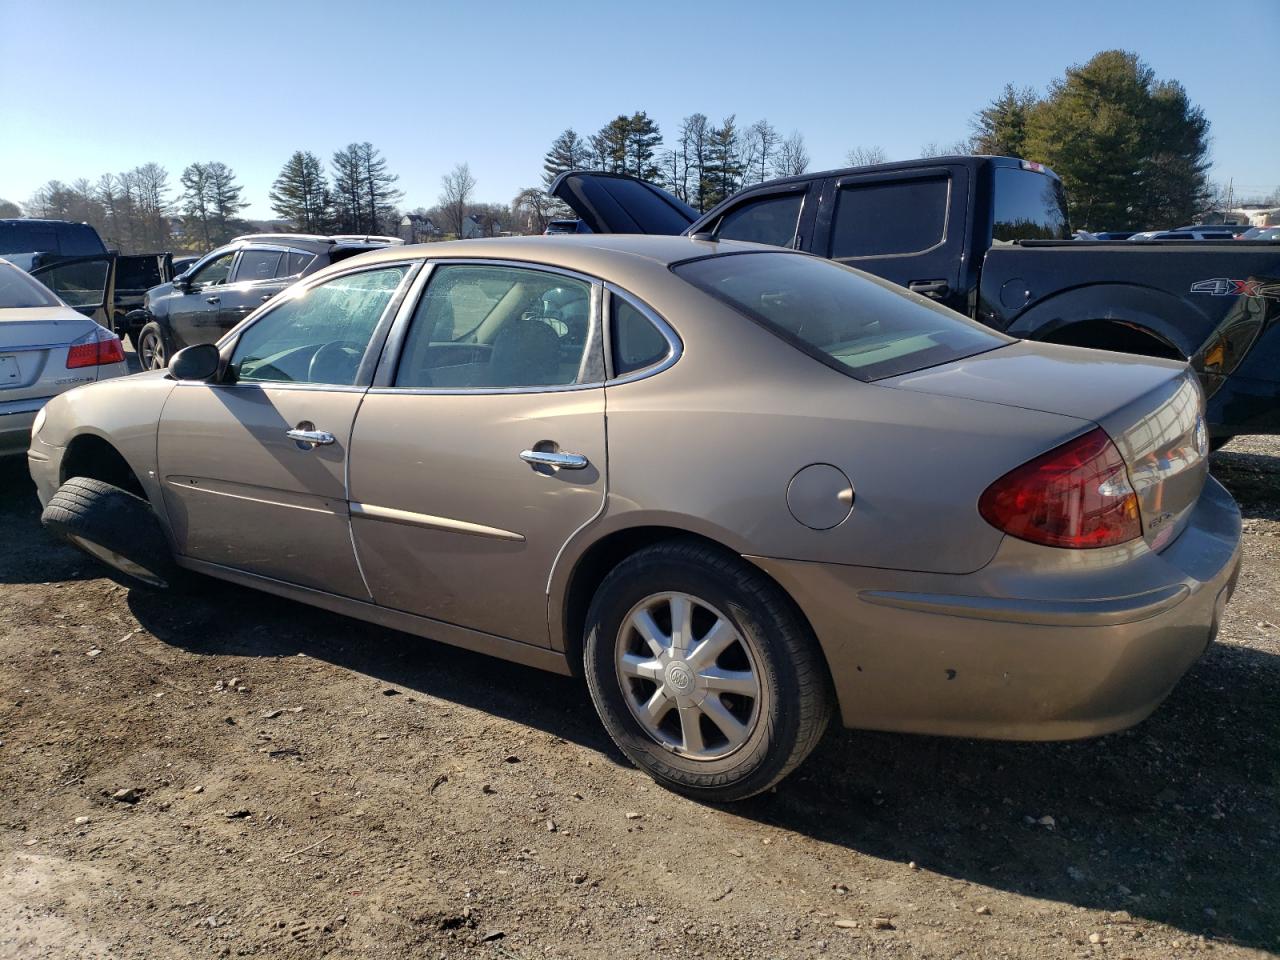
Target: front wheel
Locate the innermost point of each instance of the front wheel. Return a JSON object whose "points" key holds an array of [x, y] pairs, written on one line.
{"points": [[115, 527], [703, 672], [153, 347]]}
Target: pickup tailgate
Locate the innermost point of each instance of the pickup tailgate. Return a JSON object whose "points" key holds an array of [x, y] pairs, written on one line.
{"points": [[1153, 411]]}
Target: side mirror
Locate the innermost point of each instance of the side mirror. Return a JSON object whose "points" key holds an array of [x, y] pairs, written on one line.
{"points": [[198, 362], [182, 283]]}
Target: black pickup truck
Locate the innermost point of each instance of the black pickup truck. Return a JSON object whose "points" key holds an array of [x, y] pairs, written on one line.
{"points": [[989, 237]]}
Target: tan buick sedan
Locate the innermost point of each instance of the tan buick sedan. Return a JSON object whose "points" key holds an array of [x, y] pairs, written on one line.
{"points": [[736, 487]]}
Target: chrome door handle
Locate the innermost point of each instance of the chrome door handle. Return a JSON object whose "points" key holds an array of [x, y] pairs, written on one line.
{"points": [[310, 438], [545, 458], [212, 299]]}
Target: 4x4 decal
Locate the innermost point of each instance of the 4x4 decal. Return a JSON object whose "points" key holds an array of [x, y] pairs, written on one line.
{"points": [[1223, 287]]}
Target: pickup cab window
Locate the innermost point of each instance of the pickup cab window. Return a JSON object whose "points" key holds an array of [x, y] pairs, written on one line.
{"points": [[769, 220], [1028, 206], [889, 218]]}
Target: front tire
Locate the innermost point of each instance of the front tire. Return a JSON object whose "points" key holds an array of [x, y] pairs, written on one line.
{"points": [[116, 528], [703, 672], [153, 347]]}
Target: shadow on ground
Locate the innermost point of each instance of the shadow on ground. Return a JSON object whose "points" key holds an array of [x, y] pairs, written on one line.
{"points": [[1177, 821]]}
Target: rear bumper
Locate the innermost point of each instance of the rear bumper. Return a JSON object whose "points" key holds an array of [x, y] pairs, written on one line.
{"points": [[1010, 653]]}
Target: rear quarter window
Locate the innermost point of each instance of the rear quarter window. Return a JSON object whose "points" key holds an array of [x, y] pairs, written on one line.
{"points": [[860, 325]]}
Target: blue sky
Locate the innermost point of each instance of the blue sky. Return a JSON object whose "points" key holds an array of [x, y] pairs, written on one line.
{"points": [[92, 87]]}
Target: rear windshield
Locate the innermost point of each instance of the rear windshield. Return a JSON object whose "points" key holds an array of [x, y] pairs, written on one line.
{"points": [[856, 323], [17, 290], [1028, 206]]}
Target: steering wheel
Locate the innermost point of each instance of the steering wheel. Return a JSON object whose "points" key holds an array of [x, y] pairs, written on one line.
{"points": [[336, 362]]}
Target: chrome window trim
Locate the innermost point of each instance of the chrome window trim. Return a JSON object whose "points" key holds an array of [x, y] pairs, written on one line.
{"points": [[384, 377], [675, 346]]}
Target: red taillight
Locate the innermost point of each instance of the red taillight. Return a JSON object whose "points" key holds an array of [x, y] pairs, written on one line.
{"points": [[1076, 495], [95, 349]]}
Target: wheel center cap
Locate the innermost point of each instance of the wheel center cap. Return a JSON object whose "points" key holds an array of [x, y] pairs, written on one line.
{"points": [[679, 677]]}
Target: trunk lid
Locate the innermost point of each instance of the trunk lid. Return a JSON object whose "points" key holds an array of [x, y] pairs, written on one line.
{"points": [[1153, 410], [33, 352], [618, 203]]}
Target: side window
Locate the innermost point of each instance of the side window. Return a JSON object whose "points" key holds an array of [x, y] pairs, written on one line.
{"points": [[497, 327], [769, 220], [884, 219], [215, 271], [634, 341], [257, 265], [294, 262], [320, 336]]}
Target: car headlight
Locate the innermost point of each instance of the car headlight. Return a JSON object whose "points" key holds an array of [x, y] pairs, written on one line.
{"points": [[38, 422]]}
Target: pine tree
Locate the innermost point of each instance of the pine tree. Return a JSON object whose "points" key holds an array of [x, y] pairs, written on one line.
{"points": [[380, 191], [1000, 128], [724, 163], [348, 191], [1132, 151], [643, 138], [568, 152], [609, 146], [300, 194]]}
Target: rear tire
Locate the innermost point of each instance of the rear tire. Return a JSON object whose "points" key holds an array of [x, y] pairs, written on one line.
{"points": [[714, 726], [117, 529]]}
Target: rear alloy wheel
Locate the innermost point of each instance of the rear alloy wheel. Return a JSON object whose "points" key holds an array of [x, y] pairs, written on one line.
{"points": [[153, 350], [703, 672], [116, 528]]}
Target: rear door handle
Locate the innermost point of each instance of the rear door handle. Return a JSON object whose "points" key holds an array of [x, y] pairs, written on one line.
{"points": [[545, 458], [934, 289], [309, 438]]}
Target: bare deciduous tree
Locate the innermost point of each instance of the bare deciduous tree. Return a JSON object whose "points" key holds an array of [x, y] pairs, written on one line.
{"points": [[457, 187], [792, 158], [866, 156]]}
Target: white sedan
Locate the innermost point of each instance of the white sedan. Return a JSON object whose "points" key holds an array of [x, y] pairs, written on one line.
{"points": [[46, 348]]}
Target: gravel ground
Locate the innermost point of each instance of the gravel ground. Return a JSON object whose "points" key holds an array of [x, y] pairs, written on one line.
{"points": [[296, 784]]}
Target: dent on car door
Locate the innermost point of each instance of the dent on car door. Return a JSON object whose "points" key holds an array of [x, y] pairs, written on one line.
{"points": [[85, 283], [254, 466], [906, 227], [480, 451]]}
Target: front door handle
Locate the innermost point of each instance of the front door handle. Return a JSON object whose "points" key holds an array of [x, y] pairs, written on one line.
{"points": [[934, 289], [212, 299], [563, 461], [307, 436]]}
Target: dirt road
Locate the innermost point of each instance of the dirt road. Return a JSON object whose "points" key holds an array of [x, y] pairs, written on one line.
{"points": [[300, 785]]}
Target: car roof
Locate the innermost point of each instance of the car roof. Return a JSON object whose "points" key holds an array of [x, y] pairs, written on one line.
{"points": [[604, 255]]}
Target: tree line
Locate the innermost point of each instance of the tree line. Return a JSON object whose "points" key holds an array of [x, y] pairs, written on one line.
{"points": [[1131, 149]]}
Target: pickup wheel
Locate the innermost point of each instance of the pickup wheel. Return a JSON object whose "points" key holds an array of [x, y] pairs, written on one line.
{"points": [[153, 347], [116, 528]]}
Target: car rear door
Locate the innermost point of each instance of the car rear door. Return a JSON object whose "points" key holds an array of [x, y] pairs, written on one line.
{"points": [[480, 450], [905, 226], [254, 466]]}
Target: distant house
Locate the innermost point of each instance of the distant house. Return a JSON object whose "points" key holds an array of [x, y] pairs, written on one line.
{"points": [[480, 225], [416, 228]]}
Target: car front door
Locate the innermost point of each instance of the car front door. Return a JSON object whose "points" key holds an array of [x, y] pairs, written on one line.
{"points": [[257, 278], [254, 466], [900, 226], [480, 449], [782, 217], [193, 311]]}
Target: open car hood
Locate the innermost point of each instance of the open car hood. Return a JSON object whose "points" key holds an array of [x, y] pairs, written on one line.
{"points": [[618, 203]]}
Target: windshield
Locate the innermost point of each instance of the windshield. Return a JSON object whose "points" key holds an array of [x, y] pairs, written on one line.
{"points": [[17, 290], [856, 323], [1028, 206]]}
